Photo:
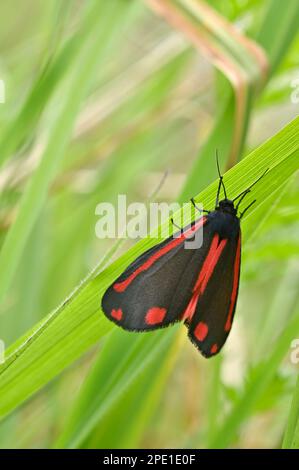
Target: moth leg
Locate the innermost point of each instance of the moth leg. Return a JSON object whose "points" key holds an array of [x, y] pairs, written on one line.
{"points": [[242, 197], [176, 225], [245, 210], [196, 207]]}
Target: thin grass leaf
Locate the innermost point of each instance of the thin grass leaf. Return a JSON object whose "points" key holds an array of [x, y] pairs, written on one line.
{"points": [[286, 23], [254, 389], [64, 335], [57, 66], [36, 192], [291, 436], [131, 354]]}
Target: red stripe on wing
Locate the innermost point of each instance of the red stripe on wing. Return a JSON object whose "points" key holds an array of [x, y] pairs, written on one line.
{"points": [[206, 272], [233, 299], [122, 286]]}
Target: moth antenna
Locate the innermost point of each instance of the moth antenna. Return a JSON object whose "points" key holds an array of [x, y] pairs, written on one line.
{"points": [[221, 183]]}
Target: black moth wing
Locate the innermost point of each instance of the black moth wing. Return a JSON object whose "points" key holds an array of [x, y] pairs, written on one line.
{"points": [[157, 296], [213, 316]]}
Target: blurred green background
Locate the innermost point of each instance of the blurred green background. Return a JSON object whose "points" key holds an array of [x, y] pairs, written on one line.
{"points": [[101, 98]]}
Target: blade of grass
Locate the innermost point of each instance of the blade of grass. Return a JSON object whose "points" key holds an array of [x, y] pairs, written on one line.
{"points": [[286, 27], [242, 62], [285, 23], [41, 90], [56, 67], [280, 308], [291, 436], [255, 388], [131, 356], [142, 398], [91, 425], [222, 133], [76, 325], [109, 15], [214, 391]]}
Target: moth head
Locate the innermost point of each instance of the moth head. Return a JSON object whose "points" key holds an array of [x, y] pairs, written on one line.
{"points": [[227, 206]]}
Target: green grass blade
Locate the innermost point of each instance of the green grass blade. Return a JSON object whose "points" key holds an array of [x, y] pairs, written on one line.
{"points": [[286, 27], [131, 353], [36, 192], [291, 436], [255, 388], [75, 326], [57, 66], [285, 23]]}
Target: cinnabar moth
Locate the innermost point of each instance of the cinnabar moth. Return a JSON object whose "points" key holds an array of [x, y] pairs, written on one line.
{"points": [[169, 283]]}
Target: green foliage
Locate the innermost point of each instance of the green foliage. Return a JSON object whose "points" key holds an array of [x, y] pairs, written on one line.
{"points": [[110, 97]]}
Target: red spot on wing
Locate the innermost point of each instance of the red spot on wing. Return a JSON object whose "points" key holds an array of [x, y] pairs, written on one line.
{"points": [[122, 286], [205, 274], [233, 299], [155, 315], [117, 313], [214, 349], [201, 331]]}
